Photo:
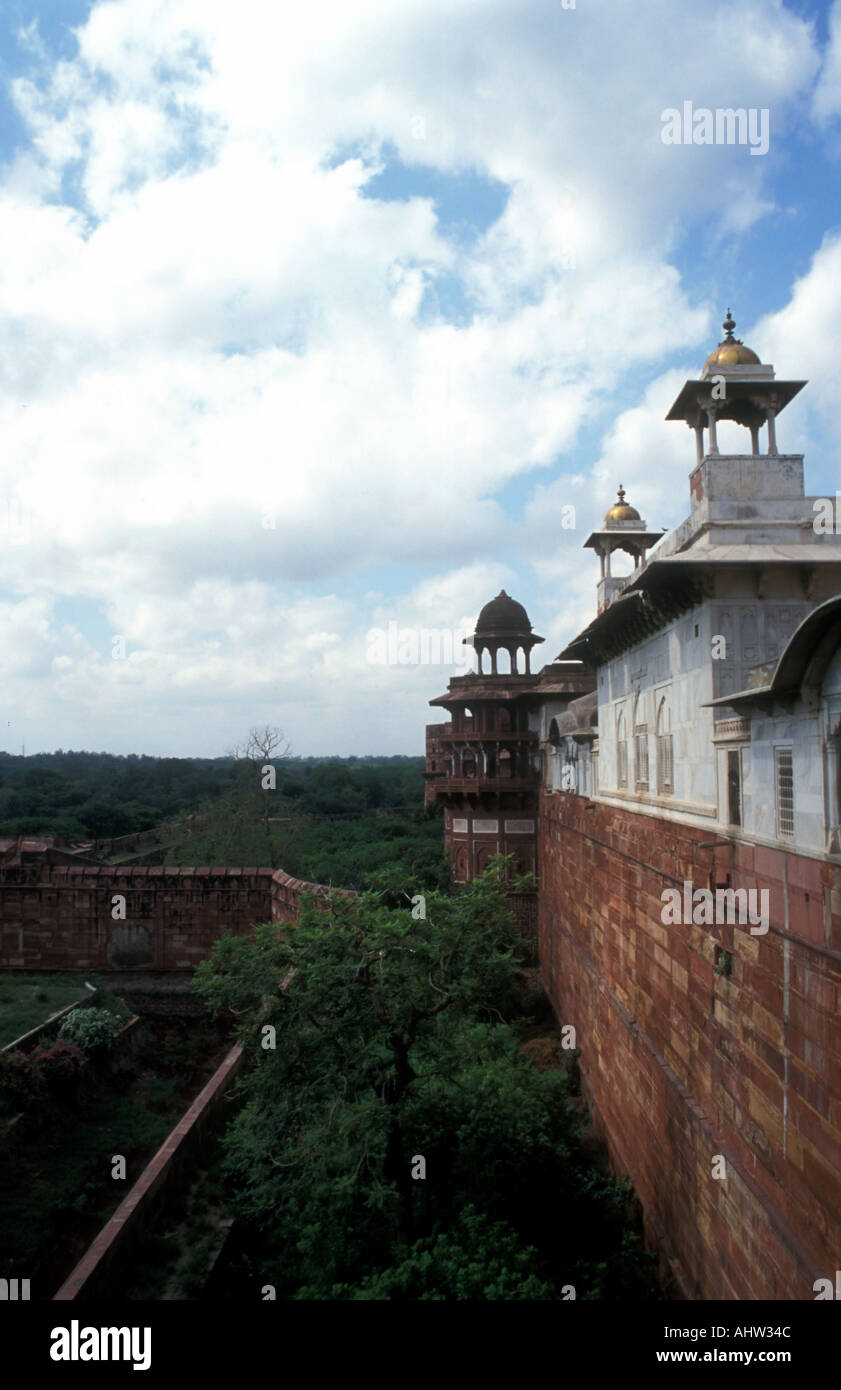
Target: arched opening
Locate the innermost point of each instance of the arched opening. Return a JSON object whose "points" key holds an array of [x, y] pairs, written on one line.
{"points": [[665, 751], [621, 751], [640, 729], [503, 662]]}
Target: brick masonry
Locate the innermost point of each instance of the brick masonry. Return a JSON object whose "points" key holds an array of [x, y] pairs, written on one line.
{"points": [[58, 917], [681, 1064]]}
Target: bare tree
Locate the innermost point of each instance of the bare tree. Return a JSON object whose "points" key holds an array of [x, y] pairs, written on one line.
{"points": [[262, 745]]}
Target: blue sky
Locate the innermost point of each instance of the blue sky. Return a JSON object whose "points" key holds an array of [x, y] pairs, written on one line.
{"points": [[313, 324]]}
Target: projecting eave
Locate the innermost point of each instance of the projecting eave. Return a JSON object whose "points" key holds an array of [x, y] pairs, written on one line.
{"points": [[504, 636], [473, 694], [642, 608], [638, 538], [604, 629], [737, 404], [811, 552], [803, 662]]}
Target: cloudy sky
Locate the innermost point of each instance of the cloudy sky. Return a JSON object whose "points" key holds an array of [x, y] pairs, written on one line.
{"points": [[315, 318]]}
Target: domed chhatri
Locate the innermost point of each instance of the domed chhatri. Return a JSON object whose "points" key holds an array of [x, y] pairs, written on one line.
{"points": [[622, 529], [734, 385], [503, 625], [503, 614], [731, 352], [621, 510]]}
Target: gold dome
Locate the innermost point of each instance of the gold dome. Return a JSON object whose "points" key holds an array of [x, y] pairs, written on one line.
{"points": [[731, 352], [621, 511]]}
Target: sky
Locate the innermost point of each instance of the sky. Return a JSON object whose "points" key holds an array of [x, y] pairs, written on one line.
{"points": [[316, 321]]}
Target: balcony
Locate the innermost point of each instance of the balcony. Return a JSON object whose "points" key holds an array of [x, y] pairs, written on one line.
{"points": [[465, 785], [490, 736]]}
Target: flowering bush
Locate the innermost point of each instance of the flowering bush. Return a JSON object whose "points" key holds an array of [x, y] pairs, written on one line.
{"points": [[20, 1081], [91, 1029], [60, 1066]]}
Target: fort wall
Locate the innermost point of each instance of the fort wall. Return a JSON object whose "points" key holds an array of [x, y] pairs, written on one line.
{"points": [[59, 917], [682, 1062]]}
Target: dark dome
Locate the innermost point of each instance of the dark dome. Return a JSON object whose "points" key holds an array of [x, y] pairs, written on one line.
{"points": [[503, 614]]}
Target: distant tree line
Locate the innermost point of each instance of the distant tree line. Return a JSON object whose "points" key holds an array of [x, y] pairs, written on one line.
{"points": [[86, 796]]}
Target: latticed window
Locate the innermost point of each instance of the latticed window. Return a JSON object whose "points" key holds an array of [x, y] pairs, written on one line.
{"points": [[665, 751], [785, 791], [665, 763], [621, 753], [734, 786], [641, 755]]}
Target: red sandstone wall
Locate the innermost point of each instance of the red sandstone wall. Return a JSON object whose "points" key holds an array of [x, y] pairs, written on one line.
{"points": [[59, 917], [682, 1064]]}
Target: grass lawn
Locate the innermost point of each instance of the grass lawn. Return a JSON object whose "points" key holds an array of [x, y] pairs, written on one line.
{"points": [[27, 1000]]}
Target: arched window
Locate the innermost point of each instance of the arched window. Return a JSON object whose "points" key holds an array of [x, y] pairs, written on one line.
{"points": [[640, 745], [621, 751], [665, 759]]}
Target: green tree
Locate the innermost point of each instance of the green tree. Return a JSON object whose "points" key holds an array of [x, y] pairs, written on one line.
{"points": [[358, 1025], [397, 1037]]}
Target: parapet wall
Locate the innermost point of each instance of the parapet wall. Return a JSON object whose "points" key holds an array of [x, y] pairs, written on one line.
{"points": [[106, 1264], [683, 1062], [59, 917]]}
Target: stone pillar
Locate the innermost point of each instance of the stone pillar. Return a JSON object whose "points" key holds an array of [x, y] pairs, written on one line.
{"points": [[710, 409], [770, 416], [754, 438]]}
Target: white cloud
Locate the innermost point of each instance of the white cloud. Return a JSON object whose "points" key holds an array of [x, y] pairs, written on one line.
{"points": [[203, 319]]}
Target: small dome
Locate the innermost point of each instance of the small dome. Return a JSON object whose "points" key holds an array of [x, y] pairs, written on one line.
{"points": [[503, 614], [621, 511], [731, 352]]}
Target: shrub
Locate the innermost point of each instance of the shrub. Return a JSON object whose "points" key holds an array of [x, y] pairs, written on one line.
{"points": [[20, 1083], [60, 1066], [92, 1030]]}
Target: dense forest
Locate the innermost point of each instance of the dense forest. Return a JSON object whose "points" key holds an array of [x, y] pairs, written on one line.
{"points": [[86, 796]]}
